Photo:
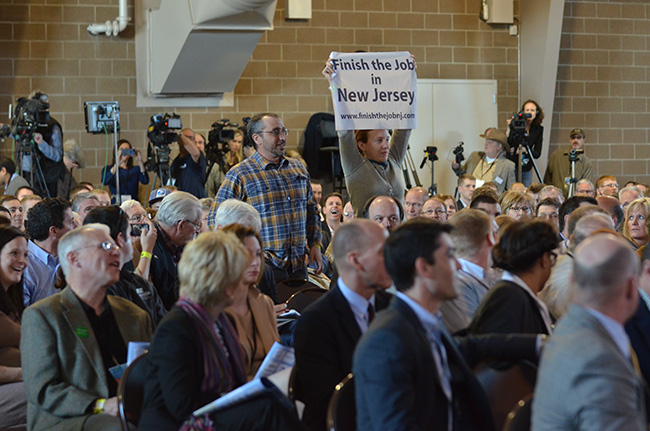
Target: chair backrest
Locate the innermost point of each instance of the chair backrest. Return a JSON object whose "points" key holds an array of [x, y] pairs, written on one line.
{"points": [[342, 410], [130, 392], [287, 288], [303, 298], [505, 387], [519, 418]]}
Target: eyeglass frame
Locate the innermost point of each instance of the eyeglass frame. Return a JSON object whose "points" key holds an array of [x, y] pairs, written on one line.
{"points": [[104, 245], [277, 132]]}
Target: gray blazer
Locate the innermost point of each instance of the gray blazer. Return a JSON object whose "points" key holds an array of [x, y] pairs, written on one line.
{"points": [[62, 363], [585, 382], [504, 170]]}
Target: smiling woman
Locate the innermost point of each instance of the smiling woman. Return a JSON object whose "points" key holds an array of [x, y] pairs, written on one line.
{"points": [[13, 261]]}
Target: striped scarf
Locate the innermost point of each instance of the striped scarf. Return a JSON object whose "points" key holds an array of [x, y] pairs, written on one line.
{"points": [[223, 363]]}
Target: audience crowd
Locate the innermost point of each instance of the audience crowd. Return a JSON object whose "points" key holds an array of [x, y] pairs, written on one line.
{"points": [[415, 291]]}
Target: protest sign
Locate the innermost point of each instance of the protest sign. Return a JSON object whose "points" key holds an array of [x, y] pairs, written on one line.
{"points": [[374, 90]]}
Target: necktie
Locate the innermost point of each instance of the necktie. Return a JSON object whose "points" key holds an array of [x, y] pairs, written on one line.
{"points": [[371, 313], [635, 361]]}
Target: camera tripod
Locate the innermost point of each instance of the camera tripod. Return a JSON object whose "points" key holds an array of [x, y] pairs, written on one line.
{"points": [[35, 176], [161, 161], [524, 143], [430, 153]]}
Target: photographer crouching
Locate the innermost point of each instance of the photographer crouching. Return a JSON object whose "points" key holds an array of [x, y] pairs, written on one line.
{"points": [[525, 128]]}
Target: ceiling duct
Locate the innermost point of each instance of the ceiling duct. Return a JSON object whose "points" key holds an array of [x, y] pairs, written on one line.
{"points": [[191, 52]]}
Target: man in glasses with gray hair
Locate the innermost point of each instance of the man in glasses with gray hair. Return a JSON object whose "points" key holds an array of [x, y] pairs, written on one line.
{"points": [[71, 340], [278, 188]]}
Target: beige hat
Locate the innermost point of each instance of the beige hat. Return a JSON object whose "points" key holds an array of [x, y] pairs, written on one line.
{"points": [[73, 151], [497, 135]]}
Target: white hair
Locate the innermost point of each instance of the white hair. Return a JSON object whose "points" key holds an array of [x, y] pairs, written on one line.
{"points": [[179, 206], [127, 205], [235, 211], [74, 240]]}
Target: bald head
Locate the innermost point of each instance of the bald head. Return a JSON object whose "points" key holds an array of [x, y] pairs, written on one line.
{"points": [[589, 224], [355, 235], [413, 201], [384, 210], [605, 275]]}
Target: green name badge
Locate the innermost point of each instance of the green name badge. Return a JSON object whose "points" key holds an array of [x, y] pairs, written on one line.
{"points": [[81, 332]]}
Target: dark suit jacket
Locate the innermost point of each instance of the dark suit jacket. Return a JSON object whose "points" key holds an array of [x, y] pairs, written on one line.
{"points": [[164, 273], [507, 309], [638, 329], [62, 364], [325, 337], [396, 383]]}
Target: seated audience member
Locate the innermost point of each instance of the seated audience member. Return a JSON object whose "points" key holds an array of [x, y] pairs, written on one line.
{"points": [[450, 204], [206, 203], [584, 187], [613, 206], [629, 194], [5, 216], [503, 222], [28, 203], [77, 190], [195, 356], [558, 294], [48, 221], [348, 212], [587, 378], [12, 204], [233, 211], [634, 229], [465, 186], [251, 312], [179, 221], [329, 329], [25, 191], [413, 202], [551, 192], [643, 188], [549, 209], [384, 210], [517, 205], [607, 186], [70, 340], [636, 326], [156, 197], [333, 211], [525, 253], [517, 187], [485, 189], [142, 244], [473, 238], [408, 372], [317, 189], [9, 179], [533, 190], [83, 203], [130, 286], [566, 209], [13, 260], [488, 204], [490, 165], [434, 208], [103, 196], [87, 185]]}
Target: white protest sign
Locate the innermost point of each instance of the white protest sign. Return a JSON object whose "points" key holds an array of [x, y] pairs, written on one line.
{"points": [[374, 90]]}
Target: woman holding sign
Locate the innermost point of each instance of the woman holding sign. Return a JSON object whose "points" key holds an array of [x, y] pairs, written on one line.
{"points": [[371, 161]]}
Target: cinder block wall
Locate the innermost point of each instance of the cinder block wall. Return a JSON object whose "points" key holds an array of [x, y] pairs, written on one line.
{"points": [[602, 79]]}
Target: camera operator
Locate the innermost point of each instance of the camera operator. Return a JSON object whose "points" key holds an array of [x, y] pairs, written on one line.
{"points": [[558, 170], [190, 165], [533, 133], [238, 150]]}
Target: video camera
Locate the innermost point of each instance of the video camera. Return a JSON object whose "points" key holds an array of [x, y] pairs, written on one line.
{"points": [[573, 154], [221, 133], [518, 122], [458, 153], [161, 130], [29, 115]]}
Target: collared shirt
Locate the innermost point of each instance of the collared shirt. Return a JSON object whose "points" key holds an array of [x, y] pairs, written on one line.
{"points": [[14, 175], [645, 298], [175, 250], [543, 310], [358, 305], [615, 330], [472, 269], [431, 323], [40, 274], [282, 195]]}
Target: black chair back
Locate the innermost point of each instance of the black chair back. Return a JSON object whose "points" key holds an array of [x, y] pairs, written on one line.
{"points": [[342, 410], [130, 392], [303, 298], [288, 287], [519, 418]]}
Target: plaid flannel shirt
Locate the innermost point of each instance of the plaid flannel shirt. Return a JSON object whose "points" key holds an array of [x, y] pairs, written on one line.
{"points": [[284, 198]]}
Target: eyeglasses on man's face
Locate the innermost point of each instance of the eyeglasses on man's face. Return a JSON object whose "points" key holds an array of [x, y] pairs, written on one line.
{"points": [[278, 132], [106, 246]]}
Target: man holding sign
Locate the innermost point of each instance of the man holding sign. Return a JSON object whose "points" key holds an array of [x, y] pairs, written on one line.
{"points": [[373, 92]]}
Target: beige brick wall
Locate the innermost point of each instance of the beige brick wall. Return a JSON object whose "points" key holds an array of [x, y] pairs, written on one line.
{"points": [[602, 78], [603, 85]]}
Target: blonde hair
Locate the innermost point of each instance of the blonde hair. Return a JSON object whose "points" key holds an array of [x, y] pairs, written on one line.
{"points": [[512, 198], [641, 203], [209, 265]]}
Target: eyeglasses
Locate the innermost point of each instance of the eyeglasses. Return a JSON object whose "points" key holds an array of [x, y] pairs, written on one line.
{"points": [[517, 209], [197, 226], [576, 136], [348, 213], [138, 218], [611, 185], [277, 132], [106, 246]]}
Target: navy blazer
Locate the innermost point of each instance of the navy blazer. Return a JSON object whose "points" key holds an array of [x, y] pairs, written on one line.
{"points": [[325, 337], [638, 329]]}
